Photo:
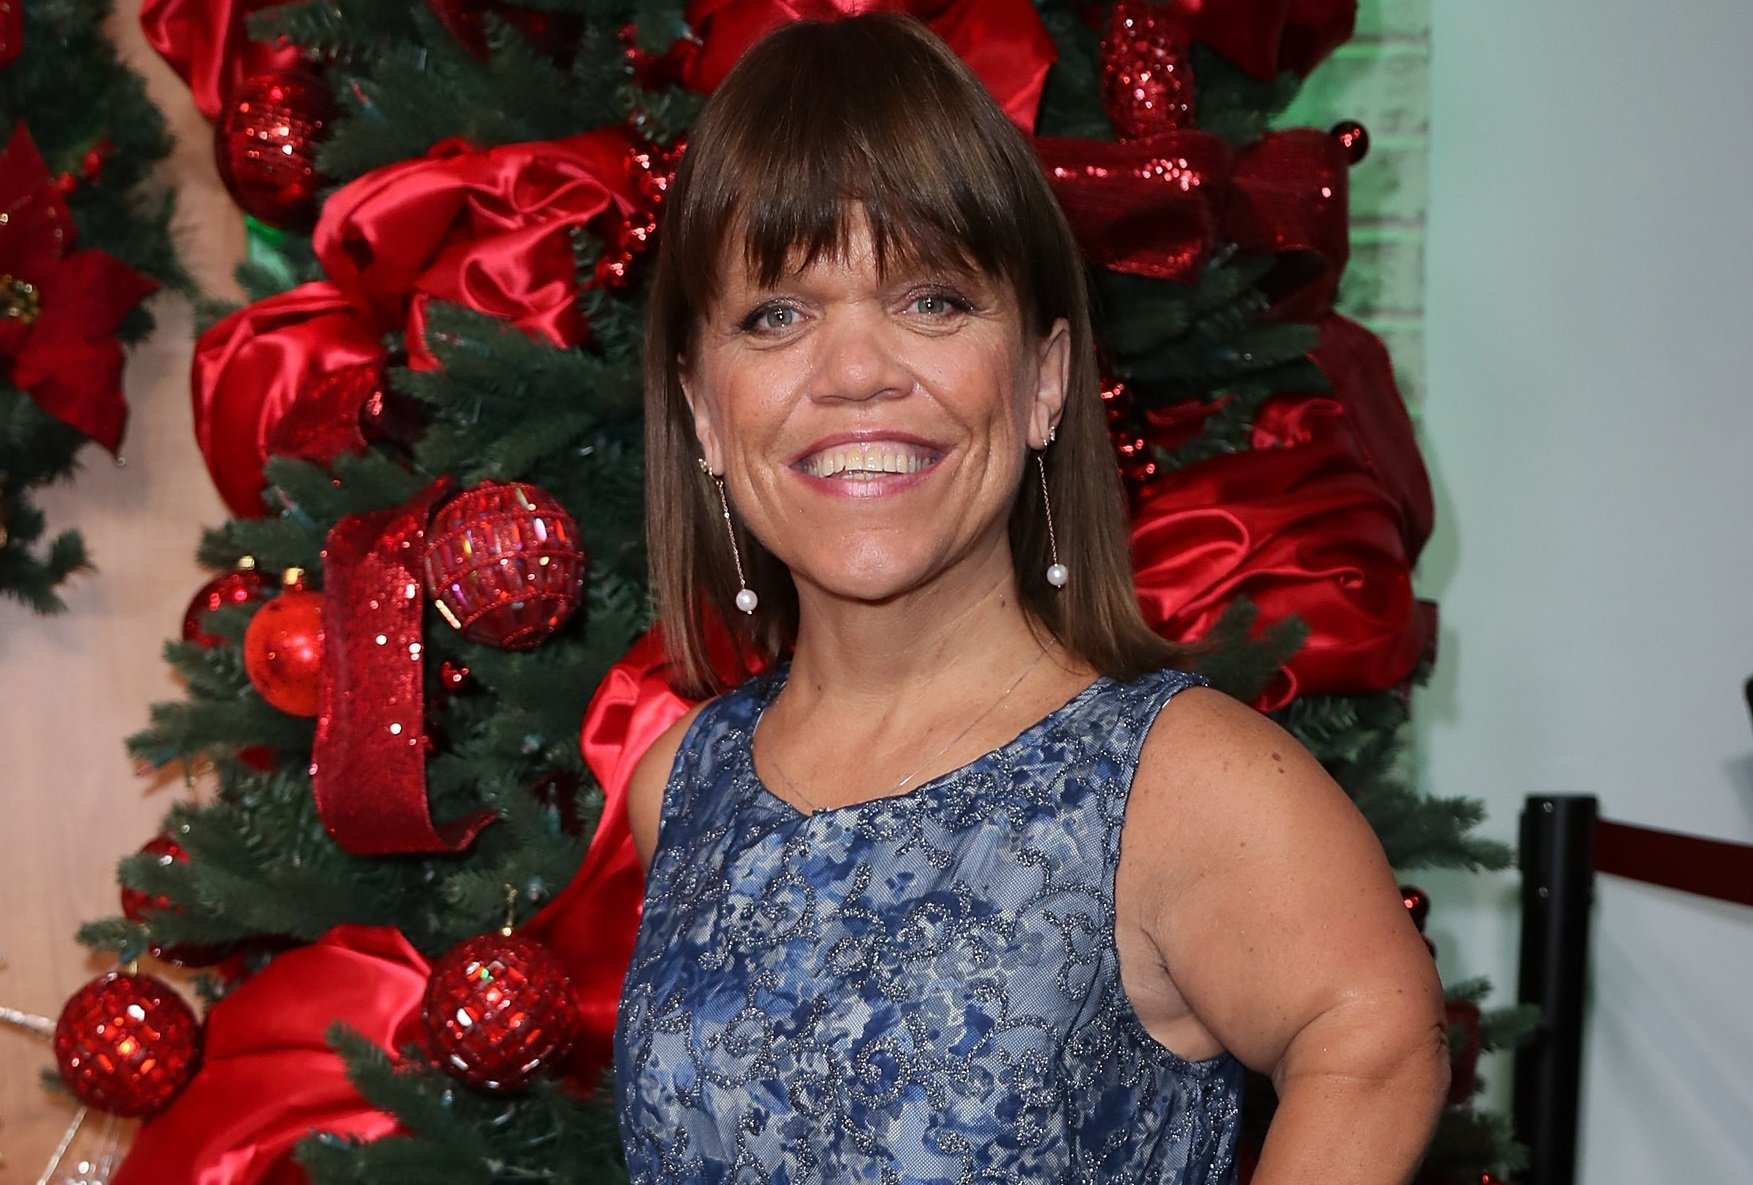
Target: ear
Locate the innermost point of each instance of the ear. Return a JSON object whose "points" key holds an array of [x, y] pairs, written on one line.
{"points": [[705, 429], [1052, 381]]}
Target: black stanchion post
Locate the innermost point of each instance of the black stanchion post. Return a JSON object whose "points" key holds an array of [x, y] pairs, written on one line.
{"points": [[1558, 888]]}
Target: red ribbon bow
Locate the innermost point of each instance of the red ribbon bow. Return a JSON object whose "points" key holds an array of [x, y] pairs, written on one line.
{"points": [[1268, 37], [207, 43], [251, 368], [490, 229], [1002, 41], [1321, 520], [1155, 207], [59, 308]]}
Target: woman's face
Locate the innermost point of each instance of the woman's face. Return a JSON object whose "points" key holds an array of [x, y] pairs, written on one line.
{"points": [[872, 431]]}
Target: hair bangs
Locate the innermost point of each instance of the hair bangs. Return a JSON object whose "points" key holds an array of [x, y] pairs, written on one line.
{"points": [[792, 179]]}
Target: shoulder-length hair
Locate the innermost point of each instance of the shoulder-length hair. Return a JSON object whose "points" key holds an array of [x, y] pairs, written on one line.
{"points": [[817, 121]]}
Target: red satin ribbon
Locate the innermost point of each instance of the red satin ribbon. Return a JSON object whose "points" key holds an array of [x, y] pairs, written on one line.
{"points": [[250, 368], [1268, 37], [1145, 207], [1304, 531], [1363, 392], [268, 1078], [368, 765], [64, 355], [207, 43], [488, 229], [1002, 41]]}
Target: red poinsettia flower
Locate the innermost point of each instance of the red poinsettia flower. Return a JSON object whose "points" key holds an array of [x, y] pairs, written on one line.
{"points": [[59, 308]]}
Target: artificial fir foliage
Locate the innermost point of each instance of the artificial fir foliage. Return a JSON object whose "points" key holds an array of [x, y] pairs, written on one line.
{"points": [[1210, 351], [62, 85]]}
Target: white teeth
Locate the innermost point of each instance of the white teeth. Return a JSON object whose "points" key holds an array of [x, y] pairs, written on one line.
{"points": [[853, 461]]}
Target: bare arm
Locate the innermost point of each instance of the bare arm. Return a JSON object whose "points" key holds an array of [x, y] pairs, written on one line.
{"points": [[645, 787], [1272, 907]]}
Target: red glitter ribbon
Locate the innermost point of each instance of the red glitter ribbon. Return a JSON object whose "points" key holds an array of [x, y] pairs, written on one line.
{"points": [[1290, 195], [368, 765], [1155, 207], [1147, 207]]}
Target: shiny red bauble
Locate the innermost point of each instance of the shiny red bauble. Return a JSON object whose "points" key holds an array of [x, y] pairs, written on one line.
{"points": [[499, 1010], [1354, 138], [231, 588], [127, 1044], [1146, 73], [504, 564], [283, 651], [265, 144]]}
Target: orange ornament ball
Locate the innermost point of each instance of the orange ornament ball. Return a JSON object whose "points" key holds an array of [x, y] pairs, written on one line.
{"points": [[283, 651]]}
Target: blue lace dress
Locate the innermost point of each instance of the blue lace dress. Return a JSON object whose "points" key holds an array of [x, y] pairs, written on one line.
{"points": [[918, 990]]}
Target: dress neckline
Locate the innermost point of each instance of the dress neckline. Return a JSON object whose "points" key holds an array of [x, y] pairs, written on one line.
{"points": [[775, 683]]}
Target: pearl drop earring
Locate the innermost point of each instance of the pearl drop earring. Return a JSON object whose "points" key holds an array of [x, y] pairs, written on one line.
{"points": [[1057, 574], [746, 600]]}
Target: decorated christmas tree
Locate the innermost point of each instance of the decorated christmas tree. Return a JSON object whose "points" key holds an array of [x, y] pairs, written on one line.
{"points": [[83, 240], [421, 673]]}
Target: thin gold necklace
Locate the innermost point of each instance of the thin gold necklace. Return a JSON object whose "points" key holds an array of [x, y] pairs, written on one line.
{"points": [[992, 707]]}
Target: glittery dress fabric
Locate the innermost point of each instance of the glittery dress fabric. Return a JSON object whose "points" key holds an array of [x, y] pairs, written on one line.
{"points": [[918, 990]]}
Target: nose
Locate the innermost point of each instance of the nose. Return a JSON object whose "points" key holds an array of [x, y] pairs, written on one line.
{"points": [[856, 359]]}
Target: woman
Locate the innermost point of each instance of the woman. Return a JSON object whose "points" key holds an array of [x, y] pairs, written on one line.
{"points": [[970, 887]]}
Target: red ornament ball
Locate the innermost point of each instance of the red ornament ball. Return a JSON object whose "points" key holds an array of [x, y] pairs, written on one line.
{"points": [[141, 906], [1146, 71], [1417, 903], [127, 1044], [1354, 138], [498, 1010], [265, 144], [232, 588], [504, 564], [283, 651]]}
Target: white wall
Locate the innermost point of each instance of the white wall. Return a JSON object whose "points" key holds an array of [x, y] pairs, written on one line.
{"points": [[1589, 426]]}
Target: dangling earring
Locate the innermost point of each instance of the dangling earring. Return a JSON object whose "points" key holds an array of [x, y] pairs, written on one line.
{"points": [[1057, 575], [746, 599]]}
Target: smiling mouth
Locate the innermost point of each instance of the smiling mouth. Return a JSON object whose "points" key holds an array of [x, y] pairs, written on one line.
{"points": [[867, 459]]}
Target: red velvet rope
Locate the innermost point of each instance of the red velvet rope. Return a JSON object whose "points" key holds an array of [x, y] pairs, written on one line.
{"points": [[1709, 867]]}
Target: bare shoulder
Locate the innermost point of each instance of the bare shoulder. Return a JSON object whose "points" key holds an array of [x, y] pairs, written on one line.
{"points": [[1265, 892], [650, 776]]}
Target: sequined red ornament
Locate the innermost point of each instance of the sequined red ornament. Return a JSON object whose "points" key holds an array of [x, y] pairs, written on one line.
{"points": [[140, 906], [127, 1044], [265, 143], [499, 1010], [1146, 72], [504, 564], [229, 589], [283, 650], [1354, 138]]}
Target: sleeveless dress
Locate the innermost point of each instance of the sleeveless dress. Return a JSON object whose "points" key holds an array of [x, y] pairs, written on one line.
{"points": [[917, 990]]}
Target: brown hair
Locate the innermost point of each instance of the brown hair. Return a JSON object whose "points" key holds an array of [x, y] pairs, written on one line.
{"points": [[872, 111]]}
